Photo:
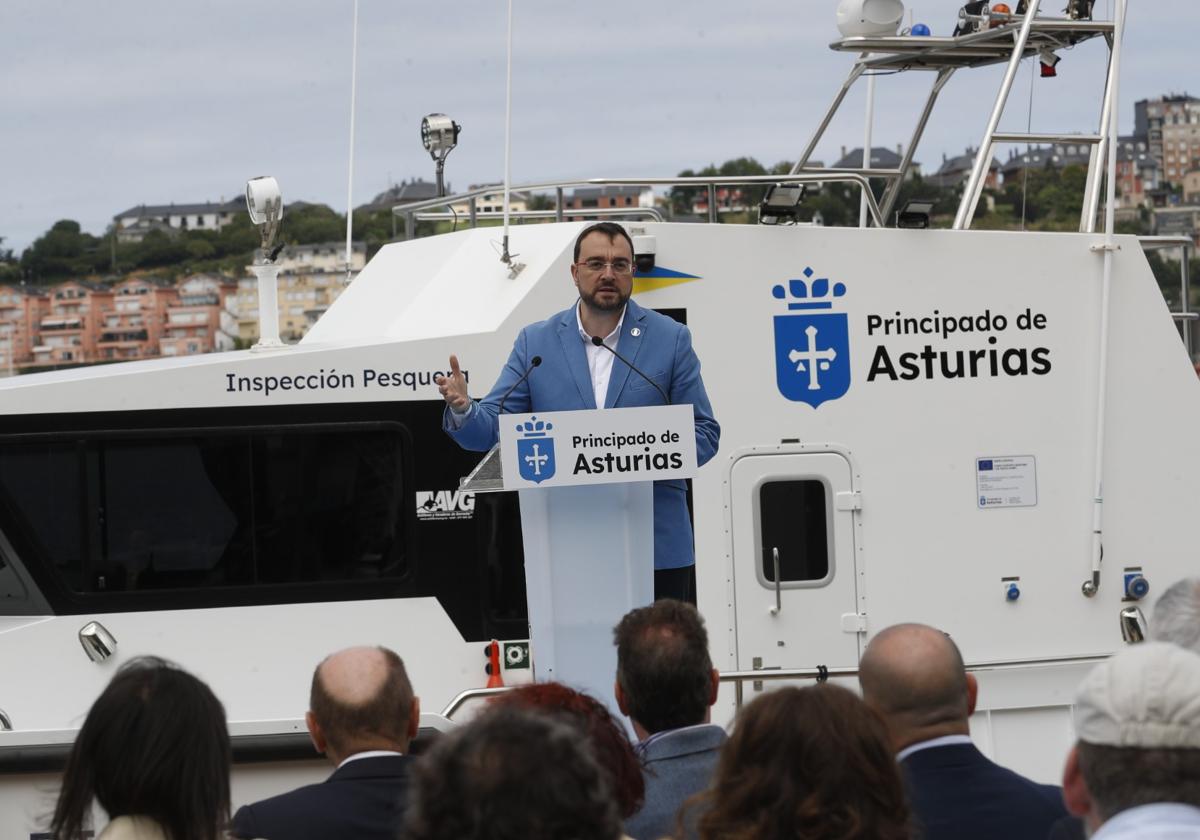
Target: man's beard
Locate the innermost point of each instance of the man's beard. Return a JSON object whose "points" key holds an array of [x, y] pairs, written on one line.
{"points": [[616, 305]]}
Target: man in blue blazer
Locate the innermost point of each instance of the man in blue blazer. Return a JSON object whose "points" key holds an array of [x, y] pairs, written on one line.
{"points": [[913, 675], [575, 373]]}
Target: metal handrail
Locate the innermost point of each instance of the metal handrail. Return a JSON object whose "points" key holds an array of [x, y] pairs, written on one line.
{"points": [[820, 672], [1184, 244], [651, 213], [813, 176], [471, 694], [738, 678], [1158, 243]]}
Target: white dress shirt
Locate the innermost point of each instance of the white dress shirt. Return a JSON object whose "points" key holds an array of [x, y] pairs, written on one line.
{"points": [[366, 754], [944, 741], [600, 361]]}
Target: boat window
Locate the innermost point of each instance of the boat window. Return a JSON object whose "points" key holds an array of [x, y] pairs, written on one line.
{"points": [[794, 519], [211, 508], [41, 502]]}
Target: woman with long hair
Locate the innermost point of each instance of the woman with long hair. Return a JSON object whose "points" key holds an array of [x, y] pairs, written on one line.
{"points": [[804, 764], [154, 753]]}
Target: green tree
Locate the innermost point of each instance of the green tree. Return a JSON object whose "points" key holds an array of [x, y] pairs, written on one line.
{"points": [[10, 268], [309, 223], [1169, 276], [683, 198], [376, 228], [238, 239], [62, 251], [160, 249]]}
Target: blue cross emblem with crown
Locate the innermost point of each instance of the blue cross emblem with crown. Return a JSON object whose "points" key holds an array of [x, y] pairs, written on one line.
{"points": [[535, 450], [812, 348]]}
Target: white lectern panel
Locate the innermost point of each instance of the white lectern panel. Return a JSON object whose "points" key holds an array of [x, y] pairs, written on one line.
{"points": [[589, 559]]}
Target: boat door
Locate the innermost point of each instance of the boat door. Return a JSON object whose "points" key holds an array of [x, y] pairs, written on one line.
{"points": [[796, 590]]}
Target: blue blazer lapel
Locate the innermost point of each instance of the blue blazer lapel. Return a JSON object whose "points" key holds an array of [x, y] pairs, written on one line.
{"points": [[628, 346], [576, 356]]}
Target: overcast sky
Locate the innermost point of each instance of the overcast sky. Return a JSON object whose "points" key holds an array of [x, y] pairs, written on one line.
{"points": [[107, 105]]}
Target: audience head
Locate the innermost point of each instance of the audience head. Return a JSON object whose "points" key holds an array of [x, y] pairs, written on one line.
{"points": [[361, 700], [1137, 718], [809, 763], [1177, 615], [913, 675], [603, 733], [154, 744], [511, 773], [665, 678]]}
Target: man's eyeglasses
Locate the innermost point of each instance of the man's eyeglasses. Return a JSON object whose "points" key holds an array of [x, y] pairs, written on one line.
{"points": [[597, 265]]}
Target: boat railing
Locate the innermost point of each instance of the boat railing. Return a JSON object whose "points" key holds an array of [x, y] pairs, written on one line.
{"points": [[1183, 316], [652, 214], [1007, 39], [819, 673], [710, 184]]}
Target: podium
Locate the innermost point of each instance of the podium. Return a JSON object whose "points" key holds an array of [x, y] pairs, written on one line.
{"points": [[585, 480]]}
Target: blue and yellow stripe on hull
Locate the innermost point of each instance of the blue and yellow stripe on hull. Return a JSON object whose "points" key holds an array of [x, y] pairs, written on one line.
{"points": [[659, 278]]}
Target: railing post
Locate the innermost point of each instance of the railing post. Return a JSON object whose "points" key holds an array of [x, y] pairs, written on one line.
{"points": [[966, 208], [558, 204], [712, 203], [472, 212], [1185, 292]]}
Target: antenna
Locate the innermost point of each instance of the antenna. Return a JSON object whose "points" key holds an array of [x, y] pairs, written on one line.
{"points": [[350, 173], [505, 256]]}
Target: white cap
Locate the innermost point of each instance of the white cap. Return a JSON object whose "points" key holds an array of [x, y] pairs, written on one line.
{"points": [[1147, 696]]}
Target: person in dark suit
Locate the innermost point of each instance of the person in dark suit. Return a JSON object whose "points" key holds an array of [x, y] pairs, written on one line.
{"points": [[666, 685], [362, 716], [913, 675], [574, 373]]}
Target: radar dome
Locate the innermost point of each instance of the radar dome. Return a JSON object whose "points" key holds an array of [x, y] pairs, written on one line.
{"points": [[869, 17]]}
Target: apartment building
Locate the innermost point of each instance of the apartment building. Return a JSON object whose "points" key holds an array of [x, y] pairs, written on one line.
{"points": [[21, 312], [957, 170], [70, 324], [1137, 172], [133, 224], [1171, 126], [134, 326], [201, 320], [492, 202], [79, 322]]}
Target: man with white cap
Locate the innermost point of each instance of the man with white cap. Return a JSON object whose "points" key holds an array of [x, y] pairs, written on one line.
{"points": [[1135, 770]]}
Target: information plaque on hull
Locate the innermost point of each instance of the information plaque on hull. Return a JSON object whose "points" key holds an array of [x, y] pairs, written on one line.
{"points": [[1006, 481]]}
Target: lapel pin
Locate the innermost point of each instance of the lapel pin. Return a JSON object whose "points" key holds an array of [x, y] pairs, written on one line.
{"points": [[635, 332]]}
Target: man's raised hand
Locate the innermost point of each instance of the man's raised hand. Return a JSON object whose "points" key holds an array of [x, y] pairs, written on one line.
{"points": [[453, 388]]}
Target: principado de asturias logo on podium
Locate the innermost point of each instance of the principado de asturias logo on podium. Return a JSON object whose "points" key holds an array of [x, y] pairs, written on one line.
{"points": [[535, 450]]}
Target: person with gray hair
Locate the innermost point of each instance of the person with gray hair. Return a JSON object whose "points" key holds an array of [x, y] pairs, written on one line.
{"points": [[1177, 615], [1135, 770]]}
